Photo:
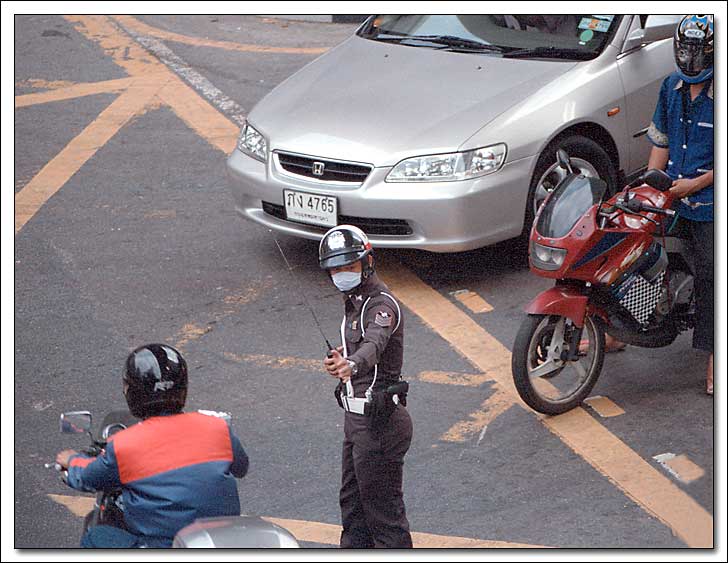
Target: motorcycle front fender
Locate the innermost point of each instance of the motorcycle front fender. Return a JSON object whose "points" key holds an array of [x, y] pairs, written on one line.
{"points": [[565, 301]]}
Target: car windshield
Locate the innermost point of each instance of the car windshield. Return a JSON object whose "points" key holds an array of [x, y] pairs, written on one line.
{"points": [[573, 37], [567, 204]]}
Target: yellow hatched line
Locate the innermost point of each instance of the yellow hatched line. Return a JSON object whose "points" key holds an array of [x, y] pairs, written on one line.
{"points": [[74, 155]]}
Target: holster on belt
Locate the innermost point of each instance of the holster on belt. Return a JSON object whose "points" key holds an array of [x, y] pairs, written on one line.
{"points": [[340, 388], [384, 403]]}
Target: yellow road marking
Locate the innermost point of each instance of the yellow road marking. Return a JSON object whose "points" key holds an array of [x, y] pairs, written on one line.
{"points": [[125, 52], [73, 91], [604, 407], [450, 378], [581, 432], [79, 506], [275, 362], [196, 112], [282, 362], [60, 169], [190, 332], [145, 29], [682, 467], [45, 84], [472, 301], [317, 532], [148, 77], [495, 405]]}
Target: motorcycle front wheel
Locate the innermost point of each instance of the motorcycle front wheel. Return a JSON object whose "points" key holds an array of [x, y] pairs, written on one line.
{"points": [[547, 383]]}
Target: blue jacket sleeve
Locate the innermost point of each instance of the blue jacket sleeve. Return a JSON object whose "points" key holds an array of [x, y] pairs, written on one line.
{"points": [[240, 464], [94, 474]]}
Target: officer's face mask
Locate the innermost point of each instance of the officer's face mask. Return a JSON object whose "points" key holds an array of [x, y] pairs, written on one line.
{"points": [[346, 281]]}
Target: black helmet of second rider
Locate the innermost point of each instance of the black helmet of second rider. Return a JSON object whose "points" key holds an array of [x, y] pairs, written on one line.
{"points": [[341, 251], [693, 48], [155, 381]]}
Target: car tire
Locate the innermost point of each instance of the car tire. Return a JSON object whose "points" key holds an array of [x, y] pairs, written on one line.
{"points": [[588, 157]]}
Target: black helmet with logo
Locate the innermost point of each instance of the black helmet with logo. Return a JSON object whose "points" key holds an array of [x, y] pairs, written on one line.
{"points": [[343, 245], [693, 46], [155, 381]]}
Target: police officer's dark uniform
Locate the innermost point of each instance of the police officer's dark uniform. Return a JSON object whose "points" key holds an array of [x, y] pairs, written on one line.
{"points": [[377, 427]]}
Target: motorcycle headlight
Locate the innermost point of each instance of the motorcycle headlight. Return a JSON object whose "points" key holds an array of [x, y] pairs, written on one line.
{"points": [[449, 167], [252, 143], [547, 257]]}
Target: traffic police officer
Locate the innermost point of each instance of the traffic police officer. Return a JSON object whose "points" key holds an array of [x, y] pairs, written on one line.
{"points": [[377, 427]]}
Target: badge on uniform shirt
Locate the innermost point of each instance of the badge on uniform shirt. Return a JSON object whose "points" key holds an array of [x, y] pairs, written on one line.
{"points": [[383, 318]]}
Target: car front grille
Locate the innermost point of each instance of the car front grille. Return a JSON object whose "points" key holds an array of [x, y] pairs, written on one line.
{"points": [[371, 226], [332, 171]]}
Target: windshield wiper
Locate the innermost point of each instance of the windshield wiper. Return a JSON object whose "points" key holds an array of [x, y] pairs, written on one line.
{"points": [[447, 41], [555, 52]]}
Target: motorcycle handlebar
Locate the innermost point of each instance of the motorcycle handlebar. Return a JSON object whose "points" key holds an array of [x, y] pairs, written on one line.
{"points": [[658, 210]]}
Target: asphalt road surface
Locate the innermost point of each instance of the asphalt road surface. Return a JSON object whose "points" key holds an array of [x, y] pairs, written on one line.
{"points": [[126, 234]]}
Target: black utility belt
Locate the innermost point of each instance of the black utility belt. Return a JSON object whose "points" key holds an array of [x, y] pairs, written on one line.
{"points": [[377, 404]]}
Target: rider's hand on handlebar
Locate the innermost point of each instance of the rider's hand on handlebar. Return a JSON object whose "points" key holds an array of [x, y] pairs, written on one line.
{"points": [[63, 458], [683, 187]]}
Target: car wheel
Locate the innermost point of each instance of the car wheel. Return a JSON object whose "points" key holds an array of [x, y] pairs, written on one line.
{"points": [[586, 156]]}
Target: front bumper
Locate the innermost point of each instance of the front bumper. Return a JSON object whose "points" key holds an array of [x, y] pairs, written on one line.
{"points": [[439, 216]]}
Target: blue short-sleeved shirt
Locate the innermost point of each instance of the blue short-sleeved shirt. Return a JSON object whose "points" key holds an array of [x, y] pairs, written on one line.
{"points": [[689, 136]]}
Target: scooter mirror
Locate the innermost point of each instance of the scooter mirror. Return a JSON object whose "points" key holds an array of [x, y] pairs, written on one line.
{"points": [[75, 422], [562, 158], [657, 179]]}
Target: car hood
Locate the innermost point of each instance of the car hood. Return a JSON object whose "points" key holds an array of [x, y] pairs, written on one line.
{"points": [[378, 103]]}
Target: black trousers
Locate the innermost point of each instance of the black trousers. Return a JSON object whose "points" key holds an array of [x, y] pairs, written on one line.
{"points": [[700, 238], [371, 497]]}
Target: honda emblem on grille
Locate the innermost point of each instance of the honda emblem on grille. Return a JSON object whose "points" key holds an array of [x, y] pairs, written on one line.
{"points": [[318, 168]]}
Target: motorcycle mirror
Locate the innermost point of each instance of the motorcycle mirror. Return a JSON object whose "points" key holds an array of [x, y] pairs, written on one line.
{"points": [[111, 429], [562, 157], [657, 179], [75, 422]]}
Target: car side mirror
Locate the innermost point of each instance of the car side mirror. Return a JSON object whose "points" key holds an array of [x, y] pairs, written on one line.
{"points": [[657, 179], [75, 422], [656, 28]]}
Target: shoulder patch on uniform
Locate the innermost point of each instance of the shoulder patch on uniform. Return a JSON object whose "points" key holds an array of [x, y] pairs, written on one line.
{"points": [[383, 318]]}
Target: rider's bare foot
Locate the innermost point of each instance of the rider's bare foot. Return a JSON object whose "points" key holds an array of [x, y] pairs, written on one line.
{"points": [[611, 344]]}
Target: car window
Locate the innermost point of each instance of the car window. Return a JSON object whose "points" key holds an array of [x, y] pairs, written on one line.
{"points": [[570, 36]]}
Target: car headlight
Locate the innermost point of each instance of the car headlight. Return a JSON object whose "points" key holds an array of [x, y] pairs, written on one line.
{"points": [[547, 257], [252, 143], [449, 167]]}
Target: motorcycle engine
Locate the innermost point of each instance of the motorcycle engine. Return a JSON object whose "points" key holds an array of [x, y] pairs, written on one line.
{"points": [[677, 290]]}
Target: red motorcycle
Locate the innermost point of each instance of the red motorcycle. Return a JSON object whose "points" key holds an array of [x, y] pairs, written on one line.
{"points": [[616, 272]]}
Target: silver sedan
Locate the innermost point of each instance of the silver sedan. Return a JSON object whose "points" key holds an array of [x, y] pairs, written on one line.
{"points": [[439, 132]]}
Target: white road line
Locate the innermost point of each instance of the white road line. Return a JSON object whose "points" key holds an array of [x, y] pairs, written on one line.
{"points": [[202, 85]]}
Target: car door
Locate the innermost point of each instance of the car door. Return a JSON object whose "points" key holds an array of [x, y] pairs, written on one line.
{"points": [[642, 71]]}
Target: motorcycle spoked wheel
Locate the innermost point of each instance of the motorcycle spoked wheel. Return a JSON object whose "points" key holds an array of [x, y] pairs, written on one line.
{"points": [[545, 382]]}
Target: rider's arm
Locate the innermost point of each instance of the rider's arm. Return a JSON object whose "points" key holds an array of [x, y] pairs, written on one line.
{"points": [[240, 464], [658, 158], [87, 473]]}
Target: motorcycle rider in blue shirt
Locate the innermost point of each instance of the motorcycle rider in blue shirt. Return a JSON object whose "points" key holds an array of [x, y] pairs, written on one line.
{"points": [[682, 136]]}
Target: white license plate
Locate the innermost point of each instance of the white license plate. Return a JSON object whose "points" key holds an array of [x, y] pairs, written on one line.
{"points": [[310, 208]]}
